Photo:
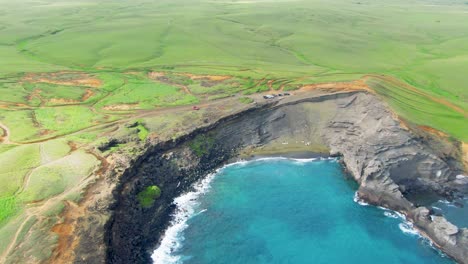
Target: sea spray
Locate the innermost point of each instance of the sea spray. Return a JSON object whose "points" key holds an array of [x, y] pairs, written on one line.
{"points": [[185, 208]]}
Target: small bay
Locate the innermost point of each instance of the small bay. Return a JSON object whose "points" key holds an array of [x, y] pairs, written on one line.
{"points": [[288, 211]]}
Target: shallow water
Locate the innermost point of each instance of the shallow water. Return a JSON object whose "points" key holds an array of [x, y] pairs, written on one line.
{"points": [[287, 211]]}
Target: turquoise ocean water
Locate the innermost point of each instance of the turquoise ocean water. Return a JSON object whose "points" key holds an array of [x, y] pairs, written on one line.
{"points": [[287, 211]]}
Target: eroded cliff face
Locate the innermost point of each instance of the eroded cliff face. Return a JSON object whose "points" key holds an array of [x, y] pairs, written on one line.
{"points": [[389, 162]]}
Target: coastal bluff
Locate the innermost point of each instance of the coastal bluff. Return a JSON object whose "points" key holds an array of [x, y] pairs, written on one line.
{"points": [[394, 165]]}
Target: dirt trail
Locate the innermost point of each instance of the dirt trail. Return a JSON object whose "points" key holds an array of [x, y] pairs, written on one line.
{"points": [[15, 239], [75, 79], [186, 90]]}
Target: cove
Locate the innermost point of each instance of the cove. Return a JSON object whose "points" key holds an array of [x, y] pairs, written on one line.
{"points": [[278, 210]]}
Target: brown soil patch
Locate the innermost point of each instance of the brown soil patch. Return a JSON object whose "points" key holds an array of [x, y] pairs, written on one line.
{"points": [[433, 131], [73, 146], [358, 85], [60, 101], [64, 78], [155, 75], [45, 132], [270, 84], [207, 77], [87, 95], [63, 253], [67, 242], [121, 107], [36, 93]]}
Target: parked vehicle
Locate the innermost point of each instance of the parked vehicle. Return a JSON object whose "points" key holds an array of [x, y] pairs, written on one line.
{"points": [[195, 108]]}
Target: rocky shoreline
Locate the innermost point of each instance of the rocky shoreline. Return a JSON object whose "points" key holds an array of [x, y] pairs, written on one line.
{"points": [[390, 162]]}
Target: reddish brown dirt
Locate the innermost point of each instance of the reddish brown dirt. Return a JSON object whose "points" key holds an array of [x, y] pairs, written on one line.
{"points": [[433, 131], [45, 132], [73, 146], [207, 77], [64, 251], [270, 84], [88, 94], [358, 85], [78, 79]]}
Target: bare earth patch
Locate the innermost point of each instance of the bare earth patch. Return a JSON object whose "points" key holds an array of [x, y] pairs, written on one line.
{"points": [[88, 94], [207, 77], [358, 85], [465, 154], [434, 131], [60, 101], [64, 78], [121, 107]]}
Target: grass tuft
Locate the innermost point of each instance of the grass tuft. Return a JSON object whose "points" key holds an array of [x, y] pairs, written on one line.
{"points": [[147, 197]]}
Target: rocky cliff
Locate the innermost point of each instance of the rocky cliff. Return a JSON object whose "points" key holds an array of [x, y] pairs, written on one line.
{"points": [[391, 164]]}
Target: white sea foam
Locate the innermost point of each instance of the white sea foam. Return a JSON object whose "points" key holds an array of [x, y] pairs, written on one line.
{"points": [[408, 228], [358, 200], [391, 214], [405, 226], [448, 203], [185, 209]]}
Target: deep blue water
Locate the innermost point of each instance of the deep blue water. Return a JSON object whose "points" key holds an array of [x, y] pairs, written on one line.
{"points": [[287, 211]]}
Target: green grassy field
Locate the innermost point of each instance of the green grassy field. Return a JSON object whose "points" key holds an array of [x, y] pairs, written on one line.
{"points": [[72, 72]]}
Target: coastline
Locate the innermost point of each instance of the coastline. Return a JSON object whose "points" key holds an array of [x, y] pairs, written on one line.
{"points": [[375, 158]]}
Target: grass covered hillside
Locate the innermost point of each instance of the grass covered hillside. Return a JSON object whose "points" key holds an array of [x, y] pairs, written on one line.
{"points": [[76, 73], [422, 43]]}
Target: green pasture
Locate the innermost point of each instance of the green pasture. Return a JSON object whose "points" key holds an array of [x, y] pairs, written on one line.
{"points": [[143, 93], [58, 176], [421, 42], [422, 110]]}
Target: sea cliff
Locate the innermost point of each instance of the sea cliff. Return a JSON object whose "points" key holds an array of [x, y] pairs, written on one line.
{"points": [[392, 162]]}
